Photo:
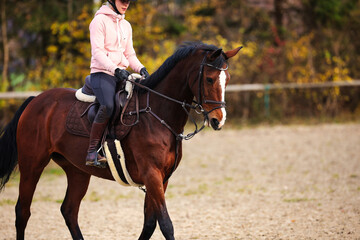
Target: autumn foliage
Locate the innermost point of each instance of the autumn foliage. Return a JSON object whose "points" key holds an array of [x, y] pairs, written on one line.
{"points": [[295, 41]]}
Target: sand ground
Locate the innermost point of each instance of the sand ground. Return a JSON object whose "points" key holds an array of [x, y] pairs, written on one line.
{"points": [[282, 182]]}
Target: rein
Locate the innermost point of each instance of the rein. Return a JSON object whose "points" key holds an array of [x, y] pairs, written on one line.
{"points": [[197, 107]]}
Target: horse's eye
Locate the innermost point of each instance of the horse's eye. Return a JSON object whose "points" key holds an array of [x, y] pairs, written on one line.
{"points": [[210, 80]]}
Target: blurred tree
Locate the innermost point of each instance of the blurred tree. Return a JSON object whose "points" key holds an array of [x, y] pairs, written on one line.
{"points": [[336, 27], [279, 16], [29, 34], [4, 34], [67, 58], [286, 41]]}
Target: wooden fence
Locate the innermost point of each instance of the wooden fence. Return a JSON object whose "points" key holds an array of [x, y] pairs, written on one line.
{"points": [[230, 88], [266, 87]]}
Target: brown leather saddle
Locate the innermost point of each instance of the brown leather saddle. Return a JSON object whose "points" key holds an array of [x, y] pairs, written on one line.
{"points": [[81, 114]]}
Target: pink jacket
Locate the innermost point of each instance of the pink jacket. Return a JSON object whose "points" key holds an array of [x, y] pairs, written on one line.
{"points": [[111, 43]]}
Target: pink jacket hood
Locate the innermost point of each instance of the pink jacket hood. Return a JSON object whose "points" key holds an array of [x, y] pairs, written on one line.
{"points": [[111, 43], [105, 9]]}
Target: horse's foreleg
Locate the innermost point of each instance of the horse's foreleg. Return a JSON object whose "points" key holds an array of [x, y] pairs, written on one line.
{"points": [[155, 209], [78, 183], [149, 220], [164, 220]]}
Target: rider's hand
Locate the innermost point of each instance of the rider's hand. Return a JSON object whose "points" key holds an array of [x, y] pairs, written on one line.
{"points": [[144, 72], [121, 74]]}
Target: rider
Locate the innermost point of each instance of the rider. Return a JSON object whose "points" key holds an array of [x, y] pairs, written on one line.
{"points": [[112, 52]]}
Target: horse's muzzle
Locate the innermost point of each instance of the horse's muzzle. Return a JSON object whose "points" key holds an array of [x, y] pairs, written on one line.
{"points": [[215, 124]]}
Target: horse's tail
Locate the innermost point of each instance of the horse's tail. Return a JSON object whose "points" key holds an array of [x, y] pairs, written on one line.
{"points": [[8, 147]]}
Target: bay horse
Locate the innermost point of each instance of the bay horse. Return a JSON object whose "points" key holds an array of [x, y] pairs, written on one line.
{"points": [[37, 134]]}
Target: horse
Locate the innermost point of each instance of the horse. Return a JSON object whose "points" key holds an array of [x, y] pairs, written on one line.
{"points": [[153, 148]]}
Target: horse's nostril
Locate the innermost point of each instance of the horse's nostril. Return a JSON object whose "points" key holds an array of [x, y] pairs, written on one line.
{"points": [[214, 123]]}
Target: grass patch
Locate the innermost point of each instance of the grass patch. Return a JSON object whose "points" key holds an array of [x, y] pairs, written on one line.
{"points": [[297, 200], [47, 198], [57, 171], [169, 195], [203, 165], [122, 196], [228, 179], [243, 190], [202, 188], [50, 171], [7, 202], [191, 192], [93, 197]]}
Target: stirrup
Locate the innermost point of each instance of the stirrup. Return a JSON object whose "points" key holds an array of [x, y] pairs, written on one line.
{"points": [[96, 163], [100, 163], [101, 159]]}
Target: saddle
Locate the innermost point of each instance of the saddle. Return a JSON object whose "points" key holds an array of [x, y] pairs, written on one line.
{"points": [[84, 109]]}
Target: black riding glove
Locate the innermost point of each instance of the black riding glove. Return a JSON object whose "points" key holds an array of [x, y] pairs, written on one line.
{"points": [[144, 72], [121, 74]]}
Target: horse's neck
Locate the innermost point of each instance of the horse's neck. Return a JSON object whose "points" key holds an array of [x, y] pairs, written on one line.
{"points": [[174, 86]]}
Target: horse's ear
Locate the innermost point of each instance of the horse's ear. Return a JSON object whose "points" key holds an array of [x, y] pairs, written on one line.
{"points": [[231, 53], [215, 54]]}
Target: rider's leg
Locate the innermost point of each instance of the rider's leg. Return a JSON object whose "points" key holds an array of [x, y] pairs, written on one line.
{"points": [[97, 130], [104, 88]]}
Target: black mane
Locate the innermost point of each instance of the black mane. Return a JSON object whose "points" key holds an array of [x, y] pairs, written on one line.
{"points": [[182, 52]]}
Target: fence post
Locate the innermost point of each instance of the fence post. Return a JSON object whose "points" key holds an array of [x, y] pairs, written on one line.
{"points": [[267, 100]]}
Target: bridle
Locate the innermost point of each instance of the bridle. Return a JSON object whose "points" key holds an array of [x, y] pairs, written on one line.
{"points": [[201, 96], [195, 105]]}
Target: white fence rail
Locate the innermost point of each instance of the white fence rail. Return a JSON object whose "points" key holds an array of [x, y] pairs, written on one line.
{"points": [[264, 87], [230, 88], [13, 95]]}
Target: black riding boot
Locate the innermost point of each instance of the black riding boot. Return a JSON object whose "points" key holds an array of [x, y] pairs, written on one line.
{"points": [[97, 131]]}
